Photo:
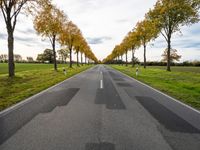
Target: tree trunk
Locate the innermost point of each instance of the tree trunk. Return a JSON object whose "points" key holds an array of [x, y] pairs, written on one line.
{"points": [[77, 59], [145, 55], [133, 57], [126, 58], [63, 60], [168, 53], [11, 65], [122, 59], [85, 60], [82, 59], [54, 52], [70, 57]]}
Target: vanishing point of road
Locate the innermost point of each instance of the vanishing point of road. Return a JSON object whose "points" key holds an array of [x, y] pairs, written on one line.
{"points": [[100, 109]]}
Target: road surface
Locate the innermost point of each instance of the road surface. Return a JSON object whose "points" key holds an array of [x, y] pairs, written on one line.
{"points": [[101, 109]]}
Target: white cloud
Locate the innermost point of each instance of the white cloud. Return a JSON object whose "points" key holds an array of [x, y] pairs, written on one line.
{"points": [[104, 23]]}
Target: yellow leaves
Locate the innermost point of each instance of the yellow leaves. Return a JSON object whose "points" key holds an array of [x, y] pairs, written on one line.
{"points": [[72, 37], [49, 21], [175, 13], [146, 31], [166, 18], [68, 33]]}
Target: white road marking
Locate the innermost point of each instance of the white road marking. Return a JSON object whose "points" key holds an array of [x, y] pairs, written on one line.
{"points": [[101, 84]]}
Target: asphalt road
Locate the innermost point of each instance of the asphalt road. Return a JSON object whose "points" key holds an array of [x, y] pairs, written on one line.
{"points": [[100, 109]]}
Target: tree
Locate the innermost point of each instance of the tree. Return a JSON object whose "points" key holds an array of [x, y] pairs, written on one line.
{"points": [[136, 60], [40, 58], [126, 54], [83, 47], [47, 55], [85, 59], [10, 10], [135, 43], [48, 23], [3, 57], [174, 56], [63, 54], [170, 15], [29, 59], [115, 54], [132, 41], [77, 47], [17, 58], [68, 36], [77, 50], [89, 55], [120, 51], [125, 47], [146, 31]]}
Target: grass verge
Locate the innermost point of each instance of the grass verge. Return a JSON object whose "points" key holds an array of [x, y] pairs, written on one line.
{"points": [[183, 83], [31, 79]]}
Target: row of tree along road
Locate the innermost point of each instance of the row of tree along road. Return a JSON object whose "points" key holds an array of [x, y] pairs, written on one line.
{"points": [[49, 22], [165, 18], [63, 55], [46, 57]]}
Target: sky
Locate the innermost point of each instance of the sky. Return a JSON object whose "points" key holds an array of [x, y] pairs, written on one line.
{"points": [[104, 24]]}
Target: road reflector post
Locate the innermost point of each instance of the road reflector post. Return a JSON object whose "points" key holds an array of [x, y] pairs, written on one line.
{"points": [[137, 71], [64, 71]]}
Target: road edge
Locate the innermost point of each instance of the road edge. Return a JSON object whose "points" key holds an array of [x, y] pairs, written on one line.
{"points": [[23, 102], [170, 97]]}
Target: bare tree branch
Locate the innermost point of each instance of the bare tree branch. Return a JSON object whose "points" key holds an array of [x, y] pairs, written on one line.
{"points": [[164, 36]]}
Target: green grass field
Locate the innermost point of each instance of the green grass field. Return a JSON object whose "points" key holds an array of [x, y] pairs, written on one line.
{"points": [[31, 79], [183, 83], [19, 67]]}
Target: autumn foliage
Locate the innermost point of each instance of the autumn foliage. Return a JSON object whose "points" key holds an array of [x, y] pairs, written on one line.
{"points": [[164, 19], [49, 22]]}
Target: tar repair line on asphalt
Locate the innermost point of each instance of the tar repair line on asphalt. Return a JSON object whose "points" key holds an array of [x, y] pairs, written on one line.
{"points": [[29, 99], [177, 101]]}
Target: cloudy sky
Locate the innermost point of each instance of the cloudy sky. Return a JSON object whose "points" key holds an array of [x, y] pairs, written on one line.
{"points": [[104, 23]]}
